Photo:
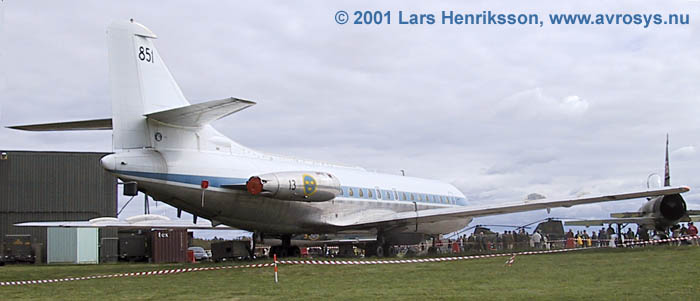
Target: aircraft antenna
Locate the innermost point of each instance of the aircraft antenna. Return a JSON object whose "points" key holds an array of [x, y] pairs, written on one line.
{"points": [[667, 173]]}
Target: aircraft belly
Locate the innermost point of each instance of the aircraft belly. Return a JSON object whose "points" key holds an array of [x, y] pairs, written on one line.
{"points": [[261, 214], [236, 209]]}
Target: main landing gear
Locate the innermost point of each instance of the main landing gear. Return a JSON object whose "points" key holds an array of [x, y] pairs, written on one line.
{"points": [[380, 248], [286, 249]]}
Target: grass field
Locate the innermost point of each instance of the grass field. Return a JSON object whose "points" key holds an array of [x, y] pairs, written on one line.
{"points": [[665, 272]]}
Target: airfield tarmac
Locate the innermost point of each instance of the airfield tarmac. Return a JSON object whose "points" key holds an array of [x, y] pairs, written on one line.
{"points": [[659, 272]]}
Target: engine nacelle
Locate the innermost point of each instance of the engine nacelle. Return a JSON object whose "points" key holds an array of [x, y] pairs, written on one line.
{"points": [[670, 208], [309, 186]]}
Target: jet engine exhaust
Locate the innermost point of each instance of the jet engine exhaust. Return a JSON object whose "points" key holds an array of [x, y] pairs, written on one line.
{"points": [[672, 207]]}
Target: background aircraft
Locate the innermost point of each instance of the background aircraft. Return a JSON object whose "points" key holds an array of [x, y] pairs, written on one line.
{"points": [[658, 213]]}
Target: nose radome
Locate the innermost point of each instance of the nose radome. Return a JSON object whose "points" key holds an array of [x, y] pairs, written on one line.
{"points": [[109, 162]]}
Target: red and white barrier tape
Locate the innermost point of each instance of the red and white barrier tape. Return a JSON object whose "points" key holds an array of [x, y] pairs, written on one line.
{"points": [[422, 260], [658, 241], [150, 273], [334, 262]]}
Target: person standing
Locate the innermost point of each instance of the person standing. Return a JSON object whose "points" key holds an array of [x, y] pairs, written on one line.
{"points": [[602, 238], [693, 231], [537, 239]]}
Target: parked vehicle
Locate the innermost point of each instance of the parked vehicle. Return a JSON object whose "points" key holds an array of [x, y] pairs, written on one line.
{"points": [[17, 248], [230, 250], [199, 253]]}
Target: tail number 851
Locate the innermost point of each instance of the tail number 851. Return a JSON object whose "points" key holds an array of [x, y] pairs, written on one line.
{"points": [[146, 54]]}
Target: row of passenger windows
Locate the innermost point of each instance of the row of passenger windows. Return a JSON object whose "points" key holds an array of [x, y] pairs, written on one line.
{"points": [[397, 195]]}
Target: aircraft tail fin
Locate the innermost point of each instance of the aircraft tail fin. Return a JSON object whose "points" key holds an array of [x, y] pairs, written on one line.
{"points": [[140, 83], [148, 107]]}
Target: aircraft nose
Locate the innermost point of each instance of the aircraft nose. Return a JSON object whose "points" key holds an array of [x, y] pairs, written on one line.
{"points": [[109, 162]]}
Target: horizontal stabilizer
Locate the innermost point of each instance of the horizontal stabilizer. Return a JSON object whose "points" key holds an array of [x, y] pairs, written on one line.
{"points": [[626, 214], [693, 212], [83, 125], [200, 114]]}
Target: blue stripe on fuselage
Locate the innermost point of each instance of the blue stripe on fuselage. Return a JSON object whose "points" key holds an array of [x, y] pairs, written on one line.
{"points": [[219, 181], [187, 179]]}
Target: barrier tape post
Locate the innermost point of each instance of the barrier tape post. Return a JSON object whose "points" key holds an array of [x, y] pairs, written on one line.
{"points": [[275, 260]]}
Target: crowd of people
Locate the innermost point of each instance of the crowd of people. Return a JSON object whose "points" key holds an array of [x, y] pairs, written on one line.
{"points": [[485, 241]]}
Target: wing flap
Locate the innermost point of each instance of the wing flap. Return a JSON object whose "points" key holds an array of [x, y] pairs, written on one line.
{"points": [[434, 215], [82, 125], [200, 114]]}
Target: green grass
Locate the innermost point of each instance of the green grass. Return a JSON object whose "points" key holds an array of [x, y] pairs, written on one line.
{"points": [[651, 273]]}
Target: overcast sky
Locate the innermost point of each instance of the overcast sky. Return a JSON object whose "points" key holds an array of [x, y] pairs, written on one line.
{"points": [[498, 111]]}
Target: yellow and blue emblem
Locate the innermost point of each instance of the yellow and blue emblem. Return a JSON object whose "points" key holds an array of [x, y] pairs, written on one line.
{"points": [[309, 185]]}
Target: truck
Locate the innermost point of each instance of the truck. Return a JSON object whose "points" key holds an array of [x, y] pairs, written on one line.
{"points": [[230, 250], [17, 248]]}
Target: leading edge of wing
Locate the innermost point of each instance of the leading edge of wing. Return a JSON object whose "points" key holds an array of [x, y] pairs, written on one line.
{"points": [[433, 215]]}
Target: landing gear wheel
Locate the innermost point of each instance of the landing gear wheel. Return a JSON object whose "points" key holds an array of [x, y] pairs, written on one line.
{"points": [[380, 251]]}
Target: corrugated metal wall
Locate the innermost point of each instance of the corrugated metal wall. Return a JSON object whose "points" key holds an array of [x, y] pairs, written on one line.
{"points": [[52, 186]]}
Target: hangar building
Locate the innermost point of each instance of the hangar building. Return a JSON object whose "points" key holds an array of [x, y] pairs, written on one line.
{"points": [[53, 186]]}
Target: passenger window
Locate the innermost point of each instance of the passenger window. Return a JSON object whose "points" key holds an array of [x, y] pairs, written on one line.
{"points": [[413, 197], [442, 198], [379, 194], [369, 194], [403, 196], [396, 195], [386, 195], [362, 194], [350, 192]]}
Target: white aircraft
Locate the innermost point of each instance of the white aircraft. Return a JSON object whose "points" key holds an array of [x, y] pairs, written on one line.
{"points": [[166, 145]]}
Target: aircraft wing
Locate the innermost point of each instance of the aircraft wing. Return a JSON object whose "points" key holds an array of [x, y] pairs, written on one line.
{"points": [[647, 221], [147, 221], [441, 214]]}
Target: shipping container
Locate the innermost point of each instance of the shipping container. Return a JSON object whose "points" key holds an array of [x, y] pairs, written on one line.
{"points": [[72, 245], [134, 246], [169, 245]]}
